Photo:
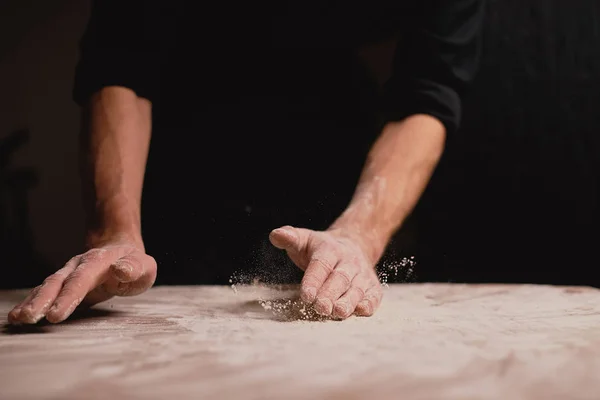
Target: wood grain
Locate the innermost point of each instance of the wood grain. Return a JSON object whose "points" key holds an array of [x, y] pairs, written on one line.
{"points": [[426, 342]]}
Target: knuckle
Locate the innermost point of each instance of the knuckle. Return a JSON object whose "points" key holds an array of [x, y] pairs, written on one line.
{"points": [[310, 281], [360, 292], [93, 256], [35, 293], [75, 280], [133, 265], [129, 248], [126, 264], [328, 293], [66, 270], [343, 276], [36, 290], [138, 256], [74, 259], [317, 276], [64, 296], [52, 279], [323, 263]]}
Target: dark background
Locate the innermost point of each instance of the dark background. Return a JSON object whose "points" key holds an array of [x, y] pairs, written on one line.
{"points": [[514, 199]]}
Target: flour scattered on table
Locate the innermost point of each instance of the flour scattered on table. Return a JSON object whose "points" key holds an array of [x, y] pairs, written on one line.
{"points": [[294, 309], [291, 309], [285, 304]]}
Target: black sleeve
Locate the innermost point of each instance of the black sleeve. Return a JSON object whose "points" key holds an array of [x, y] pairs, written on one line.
{"points": [[120, 47], [435, 61]]}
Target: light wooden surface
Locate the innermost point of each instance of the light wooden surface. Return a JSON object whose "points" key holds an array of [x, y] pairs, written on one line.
{"points": [[426, 342]]}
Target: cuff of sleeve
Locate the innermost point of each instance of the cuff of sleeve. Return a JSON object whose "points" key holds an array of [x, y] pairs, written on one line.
{"points": [[424, 97], [126, 69]]}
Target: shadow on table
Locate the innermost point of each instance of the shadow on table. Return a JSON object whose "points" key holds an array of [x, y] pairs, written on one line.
{"points": [[46, 327]]}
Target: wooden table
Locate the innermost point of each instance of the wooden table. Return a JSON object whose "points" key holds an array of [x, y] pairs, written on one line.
{"points": [[426, 342]]}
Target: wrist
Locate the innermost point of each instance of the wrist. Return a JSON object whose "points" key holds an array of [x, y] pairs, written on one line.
{"points": [[114, 220], [371, 240], [114, 235]]}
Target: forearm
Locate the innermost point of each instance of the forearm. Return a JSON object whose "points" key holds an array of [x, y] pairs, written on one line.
{"points": [[115, 141], [395, 175]]}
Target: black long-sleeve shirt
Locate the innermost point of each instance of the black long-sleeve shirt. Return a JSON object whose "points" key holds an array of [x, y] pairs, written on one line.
{"points": [[176, 51], [263, 113]]}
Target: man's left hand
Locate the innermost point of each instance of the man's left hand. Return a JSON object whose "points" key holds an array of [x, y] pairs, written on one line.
{"points": [[340, 278]]}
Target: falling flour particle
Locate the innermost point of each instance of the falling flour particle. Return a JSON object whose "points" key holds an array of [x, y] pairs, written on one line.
{"points": [[232, 285], [284, 309], [294, 309], [402, 270]]}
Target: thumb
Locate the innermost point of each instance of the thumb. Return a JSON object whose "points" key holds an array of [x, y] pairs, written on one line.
{"points": [[289, 238], [129, 268]]}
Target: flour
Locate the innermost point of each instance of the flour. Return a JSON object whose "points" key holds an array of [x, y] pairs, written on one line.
{"points": [[446, 342], [289, 309], [398, 271], [232, 285]]}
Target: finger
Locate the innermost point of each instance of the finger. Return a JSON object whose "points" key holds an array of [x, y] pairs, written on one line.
{"points": [[35, 306], [335, 286], [141, 283], [39, 305], [319, 268], [346, 304], [90, 273], [14, 314], [371, 301], [289, 238], [295, 241]]}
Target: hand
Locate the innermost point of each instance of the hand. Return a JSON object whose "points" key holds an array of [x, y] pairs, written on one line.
{"points": [[339, 277], [120, 268]]}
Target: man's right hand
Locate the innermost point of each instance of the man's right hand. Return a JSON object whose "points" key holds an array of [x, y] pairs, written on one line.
{"points": [[120, 268], [115, 141]]}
